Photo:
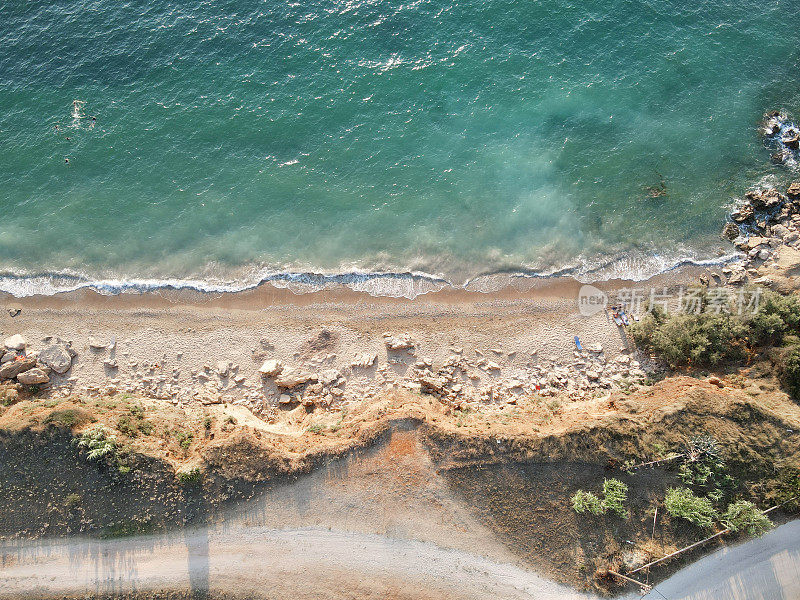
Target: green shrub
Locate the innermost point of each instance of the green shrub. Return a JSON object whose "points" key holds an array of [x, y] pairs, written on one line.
{"points": [[98, 443], [125, 426], [776, 317], [587, 502], [184, 438], [193, 475], [705, 339], [614, 494], [704, 468], [790, 372], [682, 503], [745, 516]]}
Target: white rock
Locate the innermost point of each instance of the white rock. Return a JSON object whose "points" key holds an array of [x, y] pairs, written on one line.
{"points": [[271, 368], [290, 378], [96, 344], [364, 360], [592, 375], [16, 342], [223, 368], [285, 399], [56, 357], [400, 342]]}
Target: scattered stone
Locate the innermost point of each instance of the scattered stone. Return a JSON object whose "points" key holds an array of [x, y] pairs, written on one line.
{"points": [[33, 376], [271, 368], [794, 190], [223, 368], [492, 366], [400, 342], [13, 368], [364, 360], [96, 344], [56, 357], [716, 381], [16, 342], [110, 363], [285, 399], [592, 375], [329, 377]]}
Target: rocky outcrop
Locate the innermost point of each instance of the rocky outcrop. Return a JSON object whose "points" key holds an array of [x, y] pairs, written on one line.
{"points": [[12, 369], [292, 378], [765, 225], [35, 376]]}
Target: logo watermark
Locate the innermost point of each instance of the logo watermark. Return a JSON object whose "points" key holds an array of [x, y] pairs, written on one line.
{"points": [[591, 300], [682, 299]]}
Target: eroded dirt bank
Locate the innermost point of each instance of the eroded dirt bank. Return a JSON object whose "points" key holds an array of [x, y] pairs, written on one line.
{"points": [[403, 476]]}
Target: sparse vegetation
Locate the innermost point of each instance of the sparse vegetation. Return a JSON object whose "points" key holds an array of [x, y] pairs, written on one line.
{"points": [[316, 428], [192, 476], [745, 516], [790, 372], [69, 417], [184, 438], [615, 493], [682, 503]]}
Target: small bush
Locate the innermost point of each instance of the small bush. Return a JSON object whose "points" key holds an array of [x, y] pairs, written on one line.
{"points": [[185, 439], [682, 503], [745, 516], [72, 501], [776, 317], [790, 373], [587, 502], [69, 417], [316, 428], [614, 494], [98, 443], [125, 426], [192, 476]]}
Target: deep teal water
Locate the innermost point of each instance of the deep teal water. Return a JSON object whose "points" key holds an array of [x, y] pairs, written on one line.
{"points": [[234, 139]]}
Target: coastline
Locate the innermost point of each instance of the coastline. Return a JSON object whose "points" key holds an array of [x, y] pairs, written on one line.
{"points": [[187, 346]]}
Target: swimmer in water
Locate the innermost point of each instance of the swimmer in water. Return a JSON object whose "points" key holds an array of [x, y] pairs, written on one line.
{"points": [[66, 160]]}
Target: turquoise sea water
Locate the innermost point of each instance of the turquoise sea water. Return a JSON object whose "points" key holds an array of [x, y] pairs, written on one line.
{"points": [[239, 140]]}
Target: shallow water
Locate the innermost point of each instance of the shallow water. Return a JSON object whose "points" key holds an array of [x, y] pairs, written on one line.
{"points": [[235, 141]]}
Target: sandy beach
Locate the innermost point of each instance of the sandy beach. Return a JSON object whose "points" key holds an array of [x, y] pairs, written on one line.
{"points": [[187, 347]]}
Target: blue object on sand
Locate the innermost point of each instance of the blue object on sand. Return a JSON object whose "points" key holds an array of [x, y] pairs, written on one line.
{"points": [[578, 343]]}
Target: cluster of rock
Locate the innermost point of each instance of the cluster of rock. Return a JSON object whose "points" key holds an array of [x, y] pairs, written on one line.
{"points": [[766, 221], [456, 381], [782, 135], [493, 377], [33, 368]]}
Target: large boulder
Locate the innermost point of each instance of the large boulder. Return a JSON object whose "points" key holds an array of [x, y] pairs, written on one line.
{"points": [[15, 367], [56, 357], [290, 378], [16, 342], [33, 376]]}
